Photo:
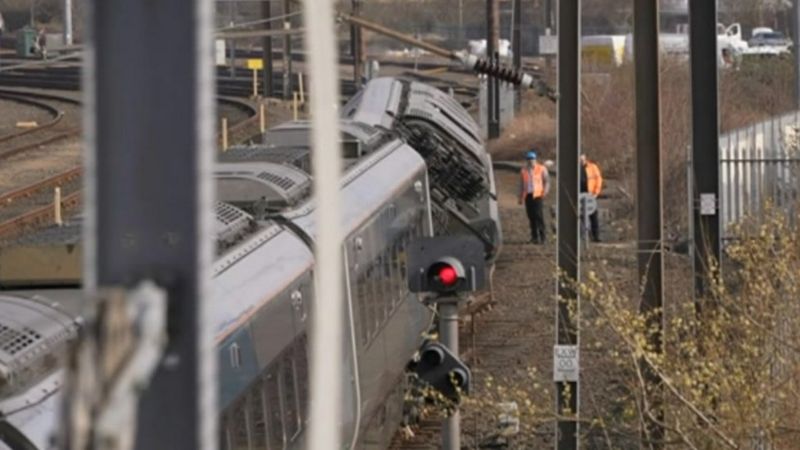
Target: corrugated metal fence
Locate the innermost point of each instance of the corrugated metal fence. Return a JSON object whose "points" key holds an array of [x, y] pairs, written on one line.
{"points": [[760, 166]]}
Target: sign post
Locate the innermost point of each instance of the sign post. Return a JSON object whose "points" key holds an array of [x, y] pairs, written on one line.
{"points": [[255, 65]]}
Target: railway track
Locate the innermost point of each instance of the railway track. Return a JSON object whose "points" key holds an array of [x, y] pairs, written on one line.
{"points": [[56, 129], [236, 83], [33, 205]]}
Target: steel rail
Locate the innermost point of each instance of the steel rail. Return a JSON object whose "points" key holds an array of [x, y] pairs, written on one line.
{"points": [[26, 96], [57, 116], [25, 147], [42, 214], [56, 180]]}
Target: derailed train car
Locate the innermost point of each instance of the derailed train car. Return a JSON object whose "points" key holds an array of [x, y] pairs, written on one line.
{"points": [[414, 166]]}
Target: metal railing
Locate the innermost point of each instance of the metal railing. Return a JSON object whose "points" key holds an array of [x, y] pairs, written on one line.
{"points": [[760, 166]]}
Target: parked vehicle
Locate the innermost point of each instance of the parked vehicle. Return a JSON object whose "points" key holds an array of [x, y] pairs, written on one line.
{"points": [[769, 39]]}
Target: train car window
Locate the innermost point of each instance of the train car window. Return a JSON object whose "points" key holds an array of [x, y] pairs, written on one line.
{"points": [[378, 293], [363, 307], [291, 413], [395, 259], [301, 367], [369, 299], [257, 418], [272, 406], [389, 293]]}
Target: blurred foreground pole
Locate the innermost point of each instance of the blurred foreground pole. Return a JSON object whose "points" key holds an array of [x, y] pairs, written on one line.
{"points": [[144, 125], [705, 142], [795, 51], [648, 205], [566, 352], [326, 316], [357, 45], [516, 47]]}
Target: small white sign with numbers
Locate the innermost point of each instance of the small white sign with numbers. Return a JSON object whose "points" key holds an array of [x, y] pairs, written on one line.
{"points": [[566, 365], [708, 204]]}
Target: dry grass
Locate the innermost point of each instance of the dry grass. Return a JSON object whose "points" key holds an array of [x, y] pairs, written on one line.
{"points": [[756, 92]]}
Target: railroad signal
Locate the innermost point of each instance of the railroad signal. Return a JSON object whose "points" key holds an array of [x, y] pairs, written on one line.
{"points": [[442, 370], [446, 265]]}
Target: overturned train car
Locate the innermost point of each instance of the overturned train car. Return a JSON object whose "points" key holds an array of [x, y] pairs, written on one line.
{"points": [[414, 166]]}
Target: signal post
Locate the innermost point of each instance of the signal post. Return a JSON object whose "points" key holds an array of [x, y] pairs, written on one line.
{"points": [[446, 266]]}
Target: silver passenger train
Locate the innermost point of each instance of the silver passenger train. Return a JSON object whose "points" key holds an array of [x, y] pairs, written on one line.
{"points": [[415, 166]]}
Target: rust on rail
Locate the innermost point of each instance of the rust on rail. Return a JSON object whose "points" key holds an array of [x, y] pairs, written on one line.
{"points": [[38, 216], [56, 180]]}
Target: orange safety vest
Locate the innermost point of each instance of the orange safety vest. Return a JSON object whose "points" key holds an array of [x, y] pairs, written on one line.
{"points": [[594, 181], [538, 181]]}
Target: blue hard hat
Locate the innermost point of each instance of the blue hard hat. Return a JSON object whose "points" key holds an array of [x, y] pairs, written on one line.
{"points": [[530, 155]]}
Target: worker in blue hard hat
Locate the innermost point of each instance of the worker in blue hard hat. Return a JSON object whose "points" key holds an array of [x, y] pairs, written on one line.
{"points": [[534, 186]]}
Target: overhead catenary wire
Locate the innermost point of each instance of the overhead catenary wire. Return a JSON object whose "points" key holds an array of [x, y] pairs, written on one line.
{"points": [[327, 315], [251, 23]]}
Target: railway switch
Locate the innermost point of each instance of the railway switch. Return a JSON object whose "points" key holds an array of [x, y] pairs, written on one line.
{"points": [[446, 265], [440, 368]]}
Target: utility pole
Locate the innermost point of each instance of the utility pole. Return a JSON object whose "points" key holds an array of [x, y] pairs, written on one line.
{"points": [[461, 34], [67, 22], [516, 47], [141, 221], [266, 45], [566, 351], [648, 207], [357, 45], [705, 142], [492, 45], [795, 51], [287, 51], [232, 21]]}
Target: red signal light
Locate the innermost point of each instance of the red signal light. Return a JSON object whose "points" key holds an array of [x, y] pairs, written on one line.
{"points": [[447, 275]]}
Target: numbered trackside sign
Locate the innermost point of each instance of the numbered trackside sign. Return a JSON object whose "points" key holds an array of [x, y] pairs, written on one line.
{"points": [[566, 365]]}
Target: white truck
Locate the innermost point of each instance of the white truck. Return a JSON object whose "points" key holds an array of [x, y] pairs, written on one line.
{"points": [[729, 43]]}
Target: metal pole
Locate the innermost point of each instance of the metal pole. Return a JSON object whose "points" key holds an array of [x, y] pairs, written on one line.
{"points": [[649, 201], [266, 45], [796, 50], [568, 251], [516, 47], [67, 22], [356, 45], [705, 139], [448, 332], [461, 34], [492, 43], [287, 52], [326, 319], [548, 16], [380, 29], [141, 221], [232, 42]]}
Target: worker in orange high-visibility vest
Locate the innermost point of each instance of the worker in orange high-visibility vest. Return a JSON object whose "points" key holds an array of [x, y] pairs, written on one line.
{"points": [[534, 186], [592, 182]]}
